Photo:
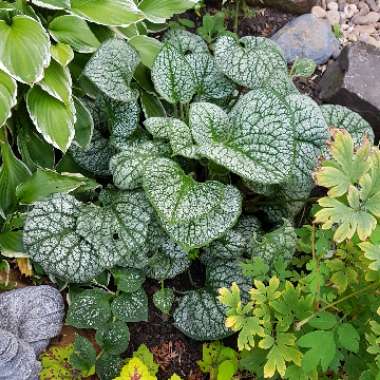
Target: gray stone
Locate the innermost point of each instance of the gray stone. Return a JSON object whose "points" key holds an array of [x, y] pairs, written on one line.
{"points": [[17, 358], [34, 314], [293, 6], [353, 81], [308, 37]]}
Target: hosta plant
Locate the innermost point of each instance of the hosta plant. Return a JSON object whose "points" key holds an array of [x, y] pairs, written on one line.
{"points": [[234, 137]]}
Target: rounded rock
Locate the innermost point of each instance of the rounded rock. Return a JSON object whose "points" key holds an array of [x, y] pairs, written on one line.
{"points": [[318, 11], [333, 17]]}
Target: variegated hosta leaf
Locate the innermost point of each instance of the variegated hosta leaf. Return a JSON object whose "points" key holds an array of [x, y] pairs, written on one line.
{"points": [[173, 130], [8, 94], [194, 214], [96, 157], [341, 117], [200, 315], [281, 242], [255, 143], [127, 167], [235, 242], [120, 227], [52, 239], [253, 62], [111, 69]]}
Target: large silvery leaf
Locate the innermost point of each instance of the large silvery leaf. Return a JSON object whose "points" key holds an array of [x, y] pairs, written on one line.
{"points": [[280, 243], [199, 314], [52, 240], [120, 226], [158, 11], [52, 118], [96, 157], [256, 144], [341, 117], [127, 167], [235, 243], [111, 69], [74, 31], [107, 12], [8, 93], [24, 49], [252, 62], [193, 213]]}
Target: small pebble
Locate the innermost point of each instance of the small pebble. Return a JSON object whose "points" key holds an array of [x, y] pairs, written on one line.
{"points": [[332, 6], [365, 29], [364, 8], [318, 11], [373, 5], [370, 18], [333, 17], [369, 40], [350, 10]]}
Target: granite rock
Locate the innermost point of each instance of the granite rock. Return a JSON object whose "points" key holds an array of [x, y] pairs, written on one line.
{"points": [[293, 6], [17, 358], [353, 81], [308, 37]]}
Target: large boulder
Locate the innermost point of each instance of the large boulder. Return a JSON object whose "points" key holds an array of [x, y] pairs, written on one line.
{"points": [[293, 6], [353, 80], [308, 37]]}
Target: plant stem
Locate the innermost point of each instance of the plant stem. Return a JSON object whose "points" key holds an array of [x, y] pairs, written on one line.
{"points": [[20, 5], [299, 325], [237, 13]]}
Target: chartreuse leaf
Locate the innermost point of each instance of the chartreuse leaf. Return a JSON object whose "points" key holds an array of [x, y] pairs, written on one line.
{"points": [[12, 173], [45, 182], [372, 253], [108, 12], [147, 47], [147, 358], [74, 31], [119, 228], [128, 280], [52, 4], [131, 307], [84, 356], [322, 349], [303, 67], [193, 213], [52, 118], [253, 62], [158, 11], [89, 309], [8, 94], [84, 125], [24, 35], [163, 299], [135, 368], [337, 116], [111, 69], [52, 239], [62, 53], [113, 337], [57, 82]]}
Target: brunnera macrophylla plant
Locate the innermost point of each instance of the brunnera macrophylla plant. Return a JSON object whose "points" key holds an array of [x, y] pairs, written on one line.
{"points": [[235, 112]]}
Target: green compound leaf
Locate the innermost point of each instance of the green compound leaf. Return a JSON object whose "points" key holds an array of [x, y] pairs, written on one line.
{"points": [[163, 300], [52, 240], [193, 213], [24, 49], [57, 82], [111, 69], [52, 118], [74, 31], [131, 307], [96, 157], [84, 356], [120, 227], [108, 12], [127, 166], [199, 314], [348, 337], [280, 243], [322, 350], [8, 96], [158, 11], [62, 53], [343, 118], [89, 309], [113, 337], [253, 62], [128, 280], [372, 253]]}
